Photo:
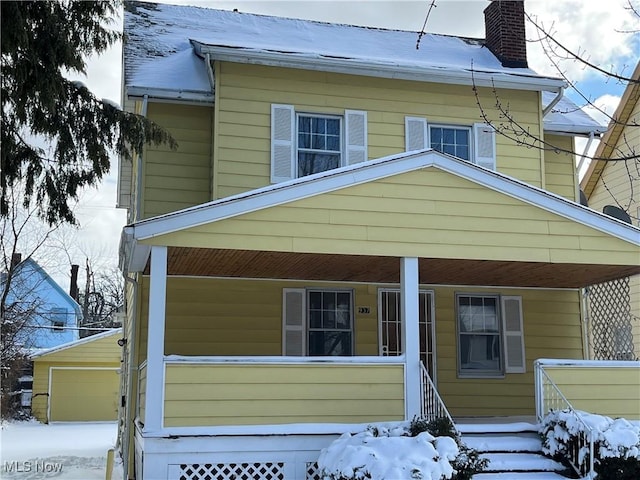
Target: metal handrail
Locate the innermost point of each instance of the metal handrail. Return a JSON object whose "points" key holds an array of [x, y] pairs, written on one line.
{"points": [[431, 404], [550, 398]]}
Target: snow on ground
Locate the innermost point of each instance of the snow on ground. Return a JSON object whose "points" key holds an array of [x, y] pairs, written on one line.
{"points": [[68, 451]]}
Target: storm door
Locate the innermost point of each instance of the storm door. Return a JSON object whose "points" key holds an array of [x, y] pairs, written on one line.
{"points": [[391, 327]]}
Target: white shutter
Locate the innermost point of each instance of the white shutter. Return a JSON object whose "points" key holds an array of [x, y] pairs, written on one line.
{"points": [[293, 321], [484, 145], [356, 136], [513, 334], [416, 135], [283, 130]]}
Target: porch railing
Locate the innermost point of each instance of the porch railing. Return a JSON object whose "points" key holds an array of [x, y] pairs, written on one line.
{"points": [[431, 404], [548, 398]]}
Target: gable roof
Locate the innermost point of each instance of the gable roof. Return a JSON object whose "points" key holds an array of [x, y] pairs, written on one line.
{"points": [[166, 46], [611, 138], [343, 177], [30, 262], [75, 343], [155, 32]]}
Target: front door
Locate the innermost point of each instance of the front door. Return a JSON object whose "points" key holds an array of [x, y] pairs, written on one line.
{"points": [[391, 328]]}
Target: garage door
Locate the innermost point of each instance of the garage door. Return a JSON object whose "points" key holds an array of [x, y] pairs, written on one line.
{"points": [[83, 395]]}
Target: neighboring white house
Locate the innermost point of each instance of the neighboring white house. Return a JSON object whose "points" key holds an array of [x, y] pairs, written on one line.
{"points": [[48, 316]]}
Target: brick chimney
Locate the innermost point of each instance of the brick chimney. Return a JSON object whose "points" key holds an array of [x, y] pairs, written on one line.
{"points": [[73, 289], [16, 258], [504, 32]]}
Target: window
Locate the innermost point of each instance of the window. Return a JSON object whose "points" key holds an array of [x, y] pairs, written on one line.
{"points": [[304, 143], [452, 140], [330, 323], [490, 335], [58, 317], [319, 144], [479, 334], [317, 322], [475, 143]]}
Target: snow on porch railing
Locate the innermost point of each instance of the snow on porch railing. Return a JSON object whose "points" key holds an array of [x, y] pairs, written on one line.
{"points": [[550, 398], [431, 405]]}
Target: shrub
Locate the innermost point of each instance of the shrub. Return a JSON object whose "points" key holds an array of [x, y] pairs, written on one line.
{"points": [[616, 443]]}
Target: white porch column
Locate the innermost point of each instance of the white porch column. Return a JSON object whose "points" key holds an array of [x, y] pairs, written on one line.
{"points": [[154, 398], [409, 298]]}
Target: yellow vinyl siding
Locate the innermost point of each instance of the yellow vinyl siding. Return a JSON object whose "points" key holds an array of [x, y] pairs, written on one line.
{"points": [[278, 394], [246, 93], [241, 317], [142, 396], [219, 317], [559, 167], [605, 391], [450, 218], [103, 350], [552, 329], [182, 178], [40, 391]]}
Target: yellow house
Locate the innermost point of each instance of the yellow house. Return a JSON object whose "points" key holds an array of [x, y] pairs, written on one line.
{"points": [[612, 181], [78, 381], [350, 231]]}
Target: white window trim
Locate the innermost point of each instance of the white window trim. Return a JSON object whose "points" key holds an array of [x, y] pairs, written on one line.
{"points": [[500, 373], [296, 147], [351, 312], [474, 130]]}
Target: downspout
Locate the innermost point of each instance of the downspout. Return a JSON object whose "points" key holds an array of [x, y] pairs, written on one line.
{"points": [[128, 417], [145, 102], [212, 80], [554, 102], [584, 157]]}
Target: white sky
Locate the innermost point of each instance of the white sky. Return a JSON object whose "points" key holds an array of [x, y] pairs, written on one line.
{"points": [[597, 30]]}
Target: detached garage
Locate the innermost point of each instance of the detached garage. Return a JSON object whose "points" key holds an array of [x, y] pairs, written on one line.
{"points": [[78, 381]]}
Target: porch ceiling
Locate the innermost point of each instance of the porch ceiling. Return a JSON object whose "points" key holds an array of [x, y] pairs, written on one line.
{"points": [[366, 268]]}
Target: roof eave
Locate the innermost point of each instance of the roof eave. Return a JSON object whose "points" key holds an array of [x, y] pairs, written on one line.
{"points": [[356, 66], [134, 91]]}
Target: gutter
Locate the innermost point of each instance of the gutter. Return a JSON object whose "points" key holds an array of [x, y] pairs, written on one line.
{"points": [[354, 66]]}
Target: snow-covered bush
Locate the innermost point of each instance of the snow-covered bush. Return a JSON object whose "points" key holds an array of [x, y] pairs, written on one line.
{"points": [[402, 451], [616, 442]]}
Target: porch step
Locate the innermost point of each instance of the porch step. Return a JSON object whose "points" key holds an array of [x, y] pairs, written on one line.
{"points": [[514, 451]]}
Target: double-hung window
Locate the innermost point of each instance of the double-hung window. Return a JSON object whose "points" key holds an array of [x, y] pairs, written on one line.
{"points": [[319, 144], [490, 335], [304, 143], [317, 322], [474, 143]]}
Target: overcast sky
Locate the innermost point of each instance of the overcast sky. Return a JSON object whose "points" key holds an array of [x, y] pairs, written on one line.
{"points": [[597, 30]]}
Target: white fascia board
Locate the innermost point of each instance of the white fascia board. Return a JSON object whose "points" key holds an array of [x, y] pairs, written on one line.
{"points": [[569, 129], [369, 171], [133, 91], [460, 76]]}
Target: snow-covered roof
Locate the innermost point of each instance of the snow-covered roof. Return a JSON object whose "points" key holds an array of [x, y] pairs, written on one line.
{"points": [[36, 353], [566, 117], [165, 46]]}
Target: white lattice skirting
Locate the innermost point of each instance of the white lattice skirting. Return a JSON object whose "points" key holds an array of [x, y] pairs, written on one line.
{"points": [[287, 457]]}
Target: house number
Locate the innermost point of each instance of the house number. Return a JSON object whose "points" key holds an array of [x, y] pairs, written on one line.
{"points": [[364, 310]]}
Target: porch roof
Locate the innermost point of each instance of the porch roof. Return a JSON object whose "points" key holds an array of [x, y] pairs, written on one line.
{"points": [[468, 226]]}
